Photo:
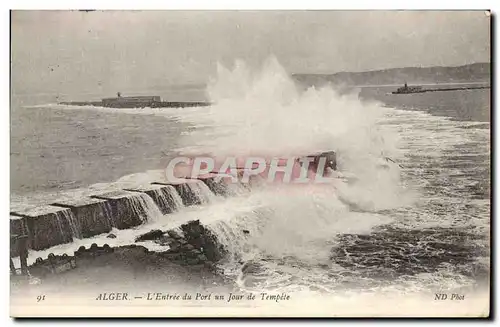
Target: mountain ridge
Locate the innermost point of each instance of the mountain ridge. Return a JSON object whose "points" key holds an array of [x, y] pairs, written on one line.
{"points": [[476, 72]]}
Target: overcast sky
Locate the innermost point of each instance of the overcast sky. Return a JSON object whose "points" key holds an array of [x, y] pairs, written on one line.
{"points": [[67, 50]]}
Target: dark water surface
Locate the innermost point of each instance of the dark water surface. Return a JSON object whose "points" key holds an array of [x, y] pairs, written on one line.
{"points": [[469, 105], [53, 148]]}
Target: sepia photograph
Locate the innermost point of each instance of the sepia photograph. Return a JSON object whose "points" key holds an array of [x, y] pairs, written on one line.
{"points": [[250, 163]]}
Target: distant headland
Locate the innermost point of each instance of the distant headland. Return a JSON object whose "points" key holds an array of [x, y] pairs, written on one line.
{"points": [[477, 72]]}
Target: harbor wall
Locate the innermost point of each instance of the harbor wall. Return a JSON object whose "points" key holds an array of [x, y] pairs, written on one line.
{"points": [[63, 221], [164, 196], [45, 226], [93, 215], [186, 193], [125, 214]]}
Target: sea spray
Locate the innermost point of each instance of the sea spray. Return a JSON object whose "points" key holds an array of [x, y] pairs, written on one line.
{"points": [[287, 231], [277, 233], [280, 221], [235, 189], [263, 113]]}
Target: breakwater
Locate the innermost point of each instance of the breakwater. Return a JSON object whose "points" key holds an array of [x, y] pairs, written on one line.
{"points": [[159, 104], [440, 90], [63, 222]]}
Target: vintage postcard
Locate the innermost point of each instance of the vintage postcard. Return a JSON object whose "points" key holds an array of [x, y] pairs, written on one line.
{"points": [[250, 163]]}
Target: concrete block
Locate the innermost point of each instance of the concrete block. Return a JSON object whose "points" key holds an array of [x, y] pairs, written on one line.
{"points": [[94, 216]]}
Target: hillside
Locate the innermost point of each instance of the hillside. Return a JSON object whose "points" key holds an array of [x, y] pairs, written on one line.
{"points": [[478, 72]]}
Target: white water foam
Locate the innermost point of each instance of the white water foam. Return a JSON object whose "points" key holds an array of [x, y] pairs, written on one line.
{"points": [[169, 197], [201, 191], [144, 207]]}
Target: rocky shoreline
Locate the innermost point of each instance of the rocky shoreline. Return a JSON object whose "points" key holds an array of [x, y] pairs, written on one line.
{"points": [[192, 244], [190, 249]]}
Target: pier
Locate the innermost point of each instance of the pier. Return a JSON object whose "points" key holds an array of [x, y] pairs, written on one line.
{"points": [[418, 89]]}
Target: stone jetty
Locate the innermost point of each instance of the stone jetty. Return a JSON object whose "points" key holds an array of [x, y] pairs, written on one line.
{"points": [[46, 226], [93, 215], [63, 221], [124, 209]]}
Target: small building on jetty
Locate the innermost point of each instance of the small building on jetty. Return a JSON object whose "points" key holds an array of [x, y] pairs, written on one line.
{"points": [[408, 89], [132, 102]]}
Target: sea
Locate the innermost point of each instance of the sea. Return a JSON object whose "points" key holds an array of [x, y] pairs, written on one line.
{"points": [[416, 222]]}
